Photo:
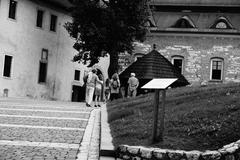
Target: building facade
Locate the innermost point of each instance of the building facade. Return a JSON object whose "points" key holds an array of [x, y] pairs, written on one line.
{"points": [[200, 37], [36, 52]]}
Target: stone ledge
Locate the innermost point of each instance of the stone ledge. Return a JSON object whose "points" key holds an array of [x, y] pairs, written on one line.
{"points": [[227, 152], [106, 146]]}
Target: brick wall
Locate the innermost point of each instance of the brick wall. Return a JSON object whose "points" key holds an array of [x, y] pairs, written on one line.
{"points": [[197, 52]]}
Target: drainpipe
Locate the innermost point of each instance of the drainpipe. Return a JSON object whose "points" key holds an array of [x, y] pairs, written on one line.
{"points": [[57, 55]]}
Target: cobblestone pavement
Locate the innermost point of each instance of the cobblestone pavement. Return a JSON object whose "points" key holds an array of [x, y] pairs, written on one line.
{"points": [[48, 130]]}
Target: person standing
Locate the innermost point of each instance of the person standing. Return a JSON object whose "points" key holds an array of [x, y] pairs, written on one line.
{"points": [[107, 90], [98, 91], [92, 79], [114, 86], [133, 83]]}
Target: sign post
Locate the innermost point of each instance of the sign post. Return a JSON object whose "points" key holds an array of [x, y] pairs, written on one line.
{"points": [[155, 116], [159, 84], [162, 115]]}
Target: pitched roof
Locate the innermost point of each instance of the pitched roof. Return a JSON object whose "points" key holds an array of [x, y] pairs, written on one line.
{"points": [[154, 65], [197, 2], [62, 4]]}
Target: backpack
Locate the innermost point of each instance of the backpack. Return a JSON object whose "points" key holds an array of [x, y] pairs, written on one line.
{"points": [[115, 84]]}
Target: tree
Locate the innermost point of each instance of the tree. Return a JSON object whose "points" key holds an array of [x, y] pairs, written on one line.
{"points": [[106, 27]]}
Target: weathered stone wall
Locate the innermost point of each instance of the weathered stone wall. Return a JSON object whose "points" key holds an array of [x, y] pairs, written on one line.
{"points": [[22, 40], [228, 152], [197, 51]]}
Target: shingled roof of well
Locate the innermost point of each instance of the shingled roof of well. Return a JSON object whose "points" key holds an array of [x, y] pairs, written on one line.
{"points": [[153, 65]]}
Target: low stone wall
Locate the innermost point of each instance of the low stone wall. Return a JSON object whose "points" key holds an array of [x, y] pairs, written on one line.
{"points": [[228, 152]]}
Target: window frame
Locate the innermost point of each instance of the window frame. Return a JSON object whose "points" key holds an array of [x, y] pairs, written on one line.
{"points": [[78, 78], [51, 23], [218, 23], [224, 20], [42, 18], [45, 72], [44, 54], [10, 10], [188, 22], [178, 57], [4, 64], [137, 56], [43, 60], [219, 59]]}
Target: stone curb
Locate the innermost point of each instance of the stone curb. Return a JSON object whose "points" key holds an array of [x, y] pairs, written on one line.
{"points": [[87, 147], [95, 139], [106, 146], [227, 152]]}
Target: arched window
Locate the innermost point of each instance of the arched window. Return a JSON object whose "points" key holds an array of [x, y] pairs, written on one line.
{"points": [[177, 61], [184, 22], [222, 23], [216, 72], [138, 56]]}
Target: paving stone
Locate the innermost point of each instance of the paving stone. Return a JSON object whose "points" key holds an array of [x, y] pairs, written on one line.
{"points": [[47, 114], [43, 122]]}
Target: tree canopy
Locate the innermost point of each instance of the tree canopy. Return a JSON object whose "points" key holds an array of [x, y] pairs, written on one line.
{"points": [[106, 27]]}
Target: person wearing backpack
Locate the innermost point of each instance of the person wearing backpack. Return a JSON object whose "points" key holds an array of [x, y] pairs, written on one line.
{"points": [[107, 90], [114, 86]]}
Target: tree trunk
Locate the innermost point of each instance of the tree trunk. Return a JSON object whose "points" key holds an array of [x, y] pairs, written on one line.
{"points": [[113, 66]]}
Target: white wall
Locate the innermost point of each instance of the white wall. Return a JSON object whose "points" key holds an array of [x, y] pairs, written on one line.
{"points": [[24, 41]]}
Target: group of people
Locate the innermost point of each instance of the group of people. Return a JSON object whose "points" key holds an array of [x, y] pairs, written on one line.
{"points": [[94, 86]]}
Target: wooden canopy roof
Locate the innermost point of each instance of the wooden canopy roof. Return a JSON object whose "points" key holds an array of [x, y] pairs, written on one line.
{"points": [[154, 65]]}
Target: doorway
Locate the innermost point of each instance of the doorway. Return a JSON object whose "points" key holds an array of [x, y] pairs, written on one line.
{"points": [[78, 93]]}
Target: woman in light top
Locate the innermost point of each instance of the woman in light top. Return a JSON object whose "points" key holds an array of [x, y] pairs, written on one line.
{"points": [[98, 91]]}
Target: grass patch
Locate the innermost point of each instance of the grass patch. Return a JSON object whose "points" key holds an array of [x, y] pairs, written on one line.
{"points": [[202, 118]]}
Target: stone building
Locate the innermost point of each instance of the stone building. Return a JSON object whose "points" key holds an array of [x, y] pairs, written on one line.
{"points": [[200, 37], [36, 51]]}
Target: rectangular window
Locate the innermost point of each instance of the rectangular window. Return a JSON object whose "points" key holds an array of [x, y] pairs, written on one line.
{"points": [[39, 18], [216, 70], [178, 64], [43, 66], [44, 55], [7, 66], [53, 23], [12, 9], [77, 75]]}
